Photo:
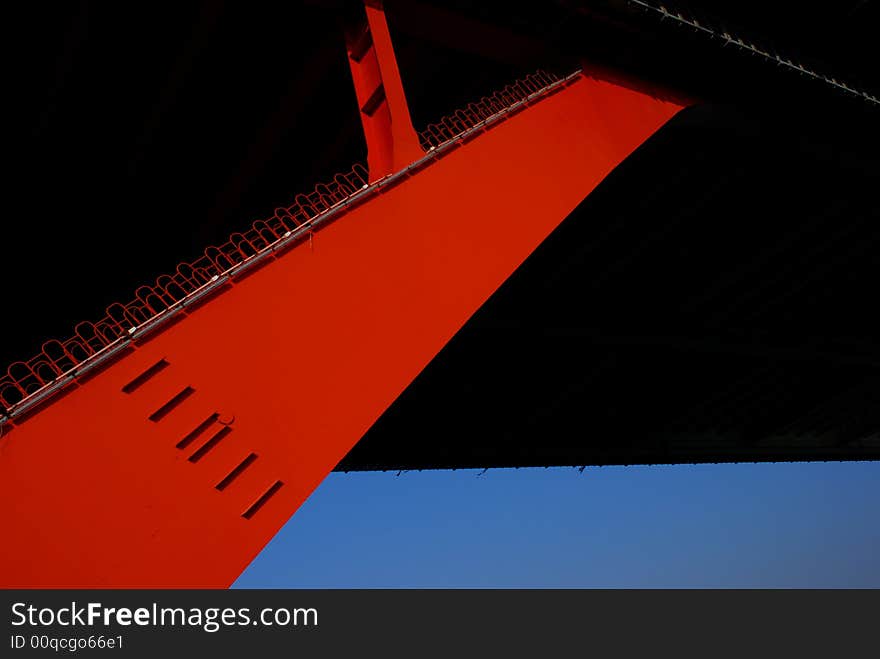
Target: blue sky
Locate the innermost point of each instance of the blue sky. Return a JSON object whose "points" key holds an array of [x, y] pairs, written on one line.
{"points": [[742, 525]]}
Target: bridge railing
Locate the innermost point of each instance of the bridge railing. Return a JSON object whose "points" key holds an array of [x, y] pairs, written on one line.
{"points": [[61, 359], [451, 126]]}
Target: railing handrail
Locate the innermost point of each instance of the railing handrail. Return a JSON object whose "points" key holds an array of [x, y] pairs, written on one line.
{"points": [[28, 383]]}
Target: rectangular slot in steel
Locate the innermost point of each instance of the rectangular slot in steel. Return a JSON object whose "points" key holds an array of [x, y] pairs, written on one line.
{"points": [[211, 443], [259, 503], [235, 473], [361, 45], [163, 411], [151, 372], [198, 430], [374, 101]]}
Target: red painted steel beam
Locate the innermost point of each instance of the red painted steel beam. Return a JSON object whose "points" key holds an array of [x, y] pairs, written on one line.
{"points": [[176, 463], [392, 143]]}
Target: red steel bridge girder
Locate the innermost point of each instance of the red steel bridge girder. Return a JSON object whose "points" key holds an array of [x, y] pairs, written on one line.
{"points": [[176, 463]]}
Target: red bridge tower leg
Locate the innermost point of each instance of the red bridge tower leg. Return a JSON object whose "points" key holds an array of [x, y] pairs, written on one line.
{"points": [[392, 143]]}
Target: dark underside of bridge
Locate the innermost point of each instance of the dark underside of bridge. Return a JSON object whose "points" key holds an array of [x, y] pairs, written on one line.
{"points": [[715, 299]]}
